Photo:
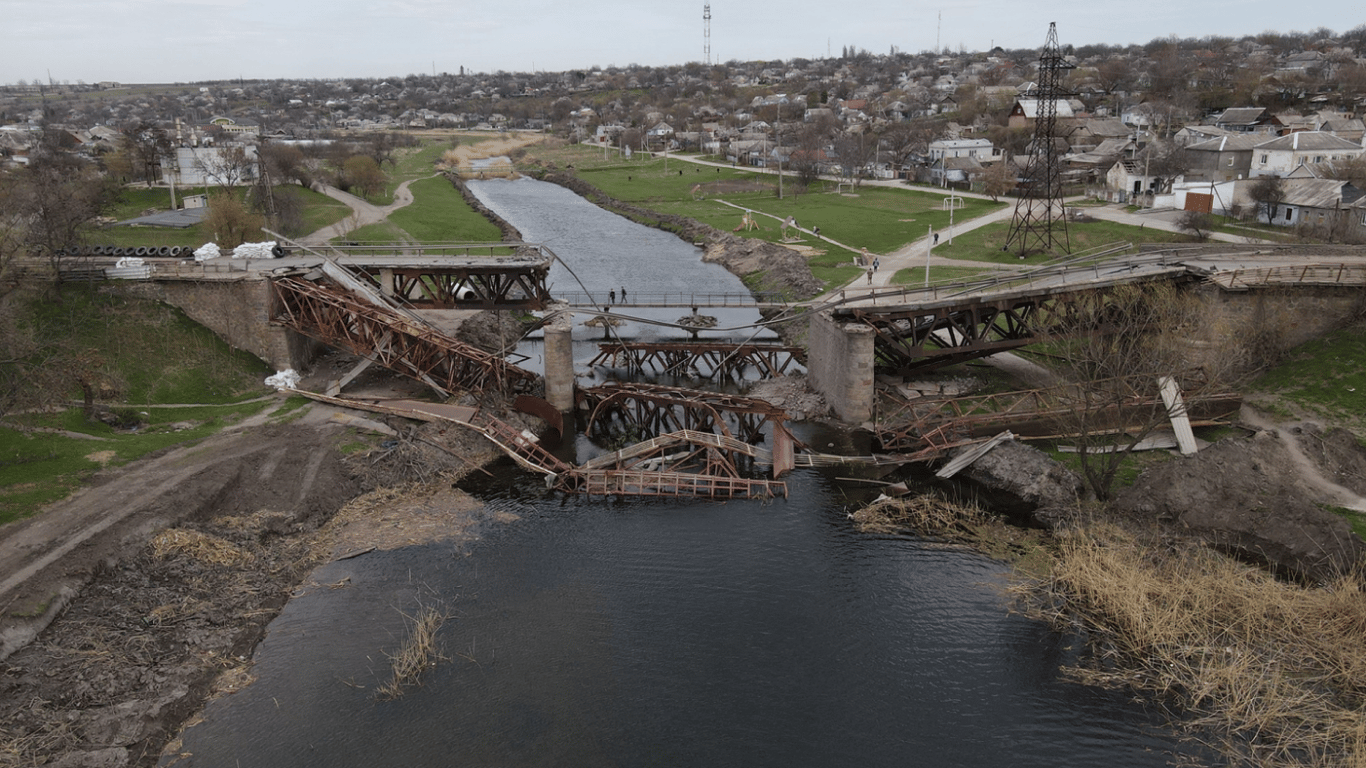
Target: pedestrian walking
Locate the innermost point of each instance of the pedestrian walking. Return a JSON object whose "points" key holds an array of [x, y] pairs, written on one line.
{"points": [[870, 276], [876, 263], [612, 296], [936, 238], [623, 294]]}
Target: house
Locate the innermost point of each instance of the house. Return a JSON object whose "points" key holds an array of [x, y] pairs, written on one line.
{"points": [[204, 166], [1026, 112], [1247, 120], [1226, 158], [1278, 157], [948, 148], [1326, 204]]}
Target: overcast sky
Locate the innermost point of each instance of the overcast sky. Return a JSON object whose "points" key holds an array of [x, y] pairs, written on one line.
{"points": [[159, 41]]}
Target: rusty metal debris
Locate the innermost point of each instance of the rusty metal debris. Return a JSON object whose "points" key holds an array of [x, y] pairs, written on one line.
{"points": [[703, 359], [948, 332], [655, 409], [933, 425], [340, 319], [464, 284]]}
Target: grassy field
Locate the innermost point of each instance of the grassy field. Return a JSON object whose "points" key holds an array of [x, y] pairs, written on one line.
{"points": [[985, 244], [880, 219], [150, 355], [411, 163], [1324, 377], [319, 211], [438, 214]]}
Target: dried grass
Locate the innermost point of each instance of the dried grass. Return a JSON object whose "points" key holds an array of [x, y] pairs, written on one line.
{"points": [[419, 652], [1268, 673], [181, 542], [926, 514]]}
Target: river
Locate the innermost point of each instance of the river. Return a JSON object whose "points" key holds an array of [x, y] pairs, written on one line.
{"points": [[592, 632]]}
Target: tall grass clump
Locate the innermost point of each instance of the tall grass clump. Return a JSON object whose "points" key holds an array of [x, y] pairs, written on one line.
{"points": [[418, 652], [1267, 672]]}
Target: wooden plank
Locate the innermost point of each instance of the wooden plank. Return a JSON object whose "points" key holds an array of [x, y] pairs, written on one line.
{"points": [[1176, 411]]}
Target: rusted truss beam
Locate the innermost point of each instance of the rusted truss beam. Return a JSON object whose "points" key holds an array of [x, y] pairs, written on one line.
{"points": [[930, 338], [336, 318], [704, 360], [652, 409], [683, 463], [511, 286], [926, 422]]}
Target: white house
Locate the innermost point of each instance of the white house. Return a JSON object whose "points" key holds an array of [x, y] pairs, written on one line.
{"points": [[204, 166], [1280, 156], [947, 148]]}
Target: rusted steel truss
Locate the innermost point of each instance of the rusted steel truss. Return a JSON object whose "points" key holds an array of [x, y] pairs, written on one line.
{"points": [[336, 318], [924, 423], [472, 286], [652, 409], [702, 360], [683, 463], [929, 338]]}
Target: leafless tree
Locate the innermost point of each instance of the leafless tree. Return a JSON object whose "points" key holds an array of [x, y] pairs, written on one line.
{"points": [[1267, 192], [1197, 223], [1117, 346]]}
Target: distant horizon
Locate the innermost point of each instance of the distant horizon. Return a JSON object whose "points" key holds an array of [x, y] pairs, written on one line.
{"points": [[195, 41]]}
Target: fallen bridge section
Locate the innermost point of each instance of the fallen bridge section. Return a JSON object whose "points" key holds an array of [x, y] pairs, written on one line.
{"points": [[928, 426], [391, 338]]}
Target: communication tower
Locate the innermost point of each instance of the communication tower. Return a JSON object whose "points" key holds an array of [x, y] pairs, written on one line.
{"points": [[706, 34], [1040, 221]]}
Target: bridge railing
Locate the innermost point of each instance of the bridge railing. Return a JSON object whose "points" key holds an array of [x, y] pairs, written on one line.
{"points": [[667, 299]]}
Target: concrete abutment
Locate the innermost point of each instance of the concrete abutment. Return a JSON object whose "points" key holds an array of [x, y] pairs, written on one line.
{"points": [[840, 366]]}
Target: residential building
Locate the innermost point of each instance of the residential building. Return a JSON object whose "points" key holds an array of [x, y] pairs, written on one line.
{"points": [[1280, 156]]}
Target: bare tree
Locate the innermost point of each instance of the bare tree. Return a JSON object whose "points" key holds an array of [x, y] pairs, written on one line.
{"points": [[1197, 223], [230, 221], [1000, 177], [1117, 346], [59, 195], [227, 166], [1267, 192]]}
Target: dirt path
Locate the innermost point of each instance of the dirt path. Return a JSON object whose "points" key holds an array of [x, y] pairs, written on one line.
{"points": [[45, 559], [363, 213], [1307, 470]]}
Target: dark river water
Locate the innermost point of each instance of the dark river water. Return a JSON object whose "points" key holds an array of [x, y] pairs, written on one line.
{"points": [[592, 632]]}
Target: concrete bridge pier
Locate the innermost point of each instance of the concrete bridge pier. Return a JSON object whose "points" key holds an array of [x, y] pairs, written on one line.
{"points": [[558, 350], [840, 366]]}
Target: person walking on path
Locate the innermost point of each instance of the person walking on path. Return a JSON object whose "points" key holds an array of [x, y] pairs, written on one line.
{"points": [[612, 296]]}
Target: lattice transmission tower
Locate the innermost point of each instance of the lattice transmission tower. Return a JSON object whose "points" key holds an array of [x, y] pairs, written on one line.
{"points": [[706, 34], [1040, 223]]}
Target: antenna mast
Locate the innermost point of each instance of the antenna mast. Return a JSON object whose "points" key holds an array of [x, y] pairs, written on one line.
{"points": [[706, 34]]}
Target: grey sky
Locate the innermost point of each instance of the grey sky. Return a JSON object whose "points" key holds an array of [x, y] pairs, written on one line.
{"points": [[146, 41]]}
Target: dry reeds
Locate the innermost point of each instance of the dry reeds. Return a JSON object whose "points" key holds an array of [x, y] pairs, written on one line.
{"points": [[198, 546], [927, 514], [419, 652], [1268, 673]]}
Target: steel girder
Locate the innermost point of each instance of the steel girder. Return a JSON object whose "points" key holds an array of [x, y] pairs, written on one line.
{"points": [[656, 409], [491, 286], [336, 318], [702, 359], [925, 339]]}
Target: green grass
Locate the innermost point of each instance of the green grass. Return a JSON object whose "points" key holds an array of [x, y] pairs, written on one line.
{"points": [[1355, 519], [439, 214], [1327, 376], [985, 244], [915, 276], [320, 210], [150, 355], [411, 163], [880, 219], [38, 468], [155, 352]]}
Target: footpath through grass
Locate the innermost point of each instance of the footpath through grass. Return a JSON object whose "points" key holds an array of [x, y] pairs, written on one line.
{"points": [[880, 219], [144, 355]]}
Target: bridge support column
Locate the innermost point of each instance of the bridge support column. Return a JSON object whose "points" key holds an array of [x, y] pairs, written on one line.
{"points": [[840, 366], [559, 362]]}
